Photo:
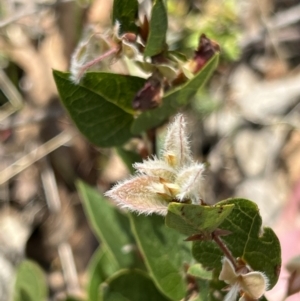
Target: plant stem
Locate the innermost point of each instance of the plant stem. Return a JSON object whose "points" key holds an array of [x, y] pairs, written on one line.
{"points": [[224, 249], [98, 59]]}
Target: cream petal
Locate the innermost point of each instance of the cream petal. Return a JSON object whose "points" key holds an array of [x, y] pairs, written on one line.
{"points": [[161, 189], [158, 168], [176, 143], [228, 273], [129, 49], [172, 188], [254, 284], [136, 194], [189, 180]]}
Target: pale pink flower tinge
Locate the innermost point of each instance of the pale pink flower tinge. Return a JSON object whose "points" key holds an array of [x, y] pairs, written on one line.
{"points": [[175, 177]]}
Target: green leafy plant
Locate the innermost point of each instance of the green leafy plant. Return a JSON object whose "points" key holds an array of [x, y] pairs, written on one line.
{"points": [[30, 283], [167, 244]]}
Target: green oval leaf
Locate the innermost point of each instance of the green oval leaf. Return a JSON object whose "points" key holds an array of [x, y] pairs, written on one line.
{"points": [[109, 225], [258, 247], [174, 100], [156, 42], [101, 266], [125, 12], [95, 108], [191, 219], [116, 88], [133, 285], [164, 252], [31, 283]]}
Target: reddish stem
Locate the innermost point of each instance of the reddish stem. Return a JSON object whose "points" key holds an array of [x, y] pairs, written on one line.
{"points": [[97, 60], [224, 249]]}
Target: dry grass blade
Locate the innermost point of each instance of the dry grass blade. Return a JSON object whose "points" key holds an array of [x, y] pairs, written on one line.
{"points": [[16, 17], [64, 248], [12, 94], [50, 189], [69, 269], [35, 155]]}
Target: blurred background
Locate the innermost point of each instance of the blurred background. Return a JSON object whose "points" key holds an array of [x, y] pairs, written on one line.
{"points": [[245, 124]]}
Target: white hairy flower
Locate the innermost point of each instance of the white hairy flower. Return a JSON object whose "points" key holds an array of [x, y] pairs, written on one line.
{"points": [[251, 285], [174, 178], [78, 59], [111, 45]]}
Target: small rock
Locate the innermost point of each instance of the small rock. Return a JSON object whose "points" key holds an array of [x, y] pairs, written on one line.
{"points": [[251, 149], [268, 193], [258, 151], [222, 122], [260, 101]]}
